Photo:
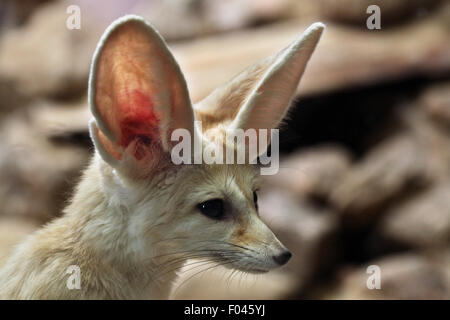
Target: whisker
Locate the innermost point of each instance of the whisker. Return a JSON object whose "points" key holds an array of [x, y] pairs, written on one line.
{"points": [[227, 256], [209, 268], [232, 244]]}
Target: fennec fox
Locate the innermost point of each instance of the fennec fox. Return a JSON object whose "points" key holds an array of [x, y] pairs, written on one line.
{"points": [[136, 217]]}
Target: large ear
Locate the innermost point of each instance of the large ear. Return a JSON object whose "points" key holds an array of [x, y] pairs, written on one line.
{"points": [[259, 97], [137, 93]]}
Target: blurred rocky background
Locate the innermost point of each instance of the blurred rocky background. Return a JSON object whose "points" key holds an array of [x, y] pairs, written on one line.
{"points": [[365, 171]]}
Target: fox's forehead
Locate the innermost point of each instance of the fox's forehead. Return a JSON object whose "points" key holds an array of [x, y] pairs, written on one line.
{"points": [[225, 180], [230, 177]]}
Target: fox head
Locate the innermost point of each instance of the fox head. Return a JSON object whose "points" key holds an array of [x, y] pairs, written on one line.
{"points": [[139, 97]]}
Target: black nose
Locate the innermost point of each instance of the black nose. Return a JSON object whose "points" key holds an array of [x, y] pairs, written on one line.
{"points": [[282, 258]]}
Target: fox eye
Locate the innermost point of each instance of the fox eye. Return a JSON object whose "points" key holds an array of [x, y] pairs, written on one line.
{"points": [[255, 199], [213, 209]]}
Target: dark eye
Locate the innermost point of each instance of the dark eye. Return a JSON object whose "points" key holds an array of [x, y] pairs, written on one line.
{"points": [[255, 199], [213, 209]]}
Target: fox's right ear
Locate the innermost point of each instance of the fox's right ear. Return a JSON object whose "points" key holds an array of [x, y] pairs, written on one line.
{"points": [[260, 96], [137, 94]]}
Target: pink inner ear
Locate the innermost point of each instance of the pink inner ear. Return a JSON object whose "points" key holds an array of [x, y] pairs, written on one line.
{"points": [[135, 85], [138, 122], [137, 119], [126, 90]]}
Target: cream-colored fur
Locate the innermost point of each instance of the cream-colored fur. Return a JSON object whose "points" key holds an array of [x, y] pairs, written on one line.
{"points": [[134, 221]]}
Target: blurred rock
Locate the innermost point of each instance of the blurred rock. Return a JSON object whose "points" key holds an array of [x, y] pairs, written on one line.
{"points": [[201, 17], [44, 57], [36, 173], [308, 232], [312, 173], [354, 11], [14, 12], [61, 120], [234, 14], [423, 221], [177, 20], [433, 141], [436, 101], [10, 96], [12, 232], [403, 276], [346, 57], [387, 172]]}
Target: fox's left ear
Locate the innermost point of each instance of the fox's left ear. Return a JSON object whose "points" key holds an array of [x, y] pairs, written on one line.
{"points": [[137, 94], [259, 97]]}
